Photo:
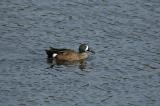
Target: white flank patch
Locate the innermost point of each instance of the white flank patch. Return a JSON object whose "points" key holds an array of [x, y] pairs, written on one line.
{"points": [[54, 55], [86, 48]]}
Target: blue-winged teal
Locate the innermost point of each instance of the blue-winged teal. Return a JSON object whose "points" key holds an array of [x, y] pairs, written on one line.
{"points": [[68, 54]]}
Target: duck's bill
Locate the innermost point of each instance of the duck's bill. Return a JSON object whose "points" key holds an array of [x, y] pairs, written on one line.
{"points": [[91, 51]]}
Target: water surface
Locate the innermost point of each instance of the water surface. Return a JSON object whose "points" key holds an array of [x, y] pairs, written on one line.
{"points": [[125, 71]]}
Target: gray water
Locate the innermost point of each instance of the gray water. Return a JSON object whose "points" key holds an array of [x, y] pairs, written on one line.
{"points": [[125, 34]]}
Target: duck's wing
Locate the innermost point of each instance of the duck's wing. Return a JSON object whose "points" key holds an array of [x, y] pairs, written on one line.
{"points": [[52, 50], [62, 50], [59, 50]]}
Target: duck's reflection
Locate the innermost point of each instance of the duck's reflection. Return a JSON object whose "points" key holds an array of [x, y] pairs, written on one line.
{"points": [[81, 63]]}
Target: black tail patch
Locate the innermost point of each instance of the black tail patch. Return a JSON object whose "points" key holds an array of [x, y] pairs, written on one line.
{"points": [[49, 53]]}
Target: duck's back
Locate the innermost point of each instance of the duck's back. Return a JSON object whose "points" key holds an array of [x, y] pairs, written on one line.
{"points": [[68, 56]]}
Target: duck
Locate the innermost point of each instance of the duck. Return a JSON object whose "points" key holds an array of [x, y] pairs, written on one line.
{"points": [[63, 54]]}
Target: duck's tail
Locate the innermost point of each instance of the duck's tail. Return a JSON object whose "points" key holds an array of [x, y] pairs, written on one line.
{"points": [[52, 52], [49, 53]]}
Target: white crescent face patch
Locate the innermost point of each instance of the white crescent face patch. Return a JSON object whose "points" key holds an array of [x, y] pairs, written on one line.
{"points": [[86, 48], [54, 55]]}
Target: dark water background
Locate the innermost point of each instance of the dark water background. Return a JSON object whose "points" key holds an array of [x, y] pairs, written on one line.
{"points": [[125, 34]]}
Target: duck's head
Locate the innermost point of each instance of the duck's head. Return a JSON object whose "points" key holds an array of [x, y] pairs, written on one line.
{"points": [[84, 48]]}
